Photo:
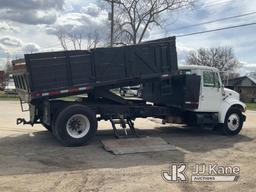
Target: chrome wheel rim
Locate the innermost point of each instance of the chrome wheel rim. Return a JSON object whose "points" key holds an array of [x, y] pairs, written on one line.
{"points": [[78, 126], [233, 122]]}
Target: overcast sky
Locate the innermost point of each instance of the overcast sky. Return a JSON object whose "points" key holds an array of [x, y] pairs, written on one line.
{"points": [[29, 26]]}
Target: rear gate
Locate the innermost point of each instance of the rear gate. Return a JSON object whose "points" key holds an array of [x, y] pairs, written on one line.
{"points": [[21, 82]]}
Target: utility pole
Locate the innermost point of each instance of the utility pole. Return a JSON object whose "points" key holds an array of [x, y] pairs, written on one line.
{"points": [[111, 18], [112, 23]]}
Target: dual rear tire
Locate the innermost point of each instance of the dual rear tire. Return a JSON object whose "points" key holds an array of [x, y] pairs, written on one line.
{"points": [[75, 125]]}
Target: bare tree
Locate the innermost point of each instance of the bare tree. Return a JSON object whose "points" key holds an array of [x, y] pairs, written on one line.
{"points": [[62, 37], [93, 40], [74, 39], [222, 58], [135, 17]]}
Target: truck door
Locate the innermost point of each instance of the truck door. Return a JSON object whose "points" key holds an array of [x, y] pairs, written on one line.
{"points": [[210, 96]]}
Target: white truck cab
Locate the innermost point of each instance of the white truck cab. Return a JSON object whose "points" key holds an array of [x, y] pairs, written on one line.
{"points": [[215, 99]]}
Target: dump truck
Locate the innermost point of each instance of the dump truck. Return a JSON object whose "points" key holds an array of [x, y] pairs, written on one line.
{"points": [[192, 95]]}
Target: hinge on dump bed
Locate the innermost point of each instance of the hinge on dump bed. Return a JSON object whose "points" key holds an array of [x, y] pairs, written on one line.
{"points": [[124, 123]]}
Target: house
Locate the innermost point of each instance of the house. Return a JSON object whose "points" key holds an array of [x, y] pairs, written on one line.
{"points": [[246, 86]]}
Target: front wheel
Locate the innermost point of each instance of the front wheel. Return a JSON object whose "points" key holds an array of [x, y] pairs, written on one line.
{"points": [[75, 125], [233, 122]]}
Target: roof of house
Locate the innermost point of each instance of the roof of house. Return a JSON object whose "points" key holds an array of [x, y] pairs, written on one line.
{"points": [[252, 79], [246, 81]]}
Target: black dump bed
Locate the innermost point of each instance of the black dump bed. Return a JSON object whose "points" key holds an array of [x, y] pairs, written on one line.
{"points": [[57, 74]]}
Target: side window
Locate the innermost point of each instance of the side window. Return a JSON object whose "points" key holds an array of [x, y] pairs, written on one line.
{"points": [[211, 79]]}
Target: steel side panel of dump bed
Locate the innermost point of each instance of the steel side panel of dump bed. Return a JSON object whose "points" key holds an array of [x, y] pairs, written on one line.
{"points": [[134, 61], [56, 70], [112, 67]]}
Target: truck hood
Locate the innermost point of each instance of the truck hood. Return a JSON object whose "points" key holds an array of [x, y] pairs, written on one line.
{"points": [[228, 93]]}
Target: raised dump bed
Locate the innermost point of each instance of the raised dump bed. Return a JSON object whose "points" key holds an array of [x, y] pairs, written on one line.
{"points": [[57, 74]]}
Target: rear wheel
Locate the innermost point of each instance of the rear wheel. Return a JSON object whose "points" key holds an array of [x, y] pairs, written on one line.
{"points": [[233, 122], [75, 125]]}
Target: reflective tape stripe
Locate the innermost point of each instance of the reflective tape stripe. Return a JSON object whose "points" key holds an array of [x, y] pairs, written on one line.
{"points": [[166, 75], [64, 91], [82, 88], [192, 103], [72, 90], [45, 94]]}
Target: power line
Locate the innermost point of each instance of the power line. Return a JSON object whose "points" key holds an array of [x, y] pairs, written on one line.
{"points": [[215, 30], [205, 5], [217, 20], [218, 29], [214, 3]]}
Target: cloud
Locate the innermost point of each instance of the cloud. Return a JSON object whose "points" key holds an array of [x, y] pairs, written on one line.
{"points": [[88, 16], [10, 48], [248, 67], [3, 55], [182, 48], [92, 10], [10, 41], [30, 48], [30, 11], [8, 28], [241, 39], [25, 5], [31, 17], [89, 19], [182, 52], [3, 51]]}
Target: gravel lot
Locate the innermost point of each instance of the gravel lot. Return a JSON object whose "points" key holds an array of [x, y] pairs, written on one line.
{"points": [[32, 160]]}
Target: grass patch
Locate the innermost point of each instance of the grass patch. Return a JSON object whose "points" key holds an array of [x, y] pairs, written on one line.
{"points": [[251, 106], [4, 96]]}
